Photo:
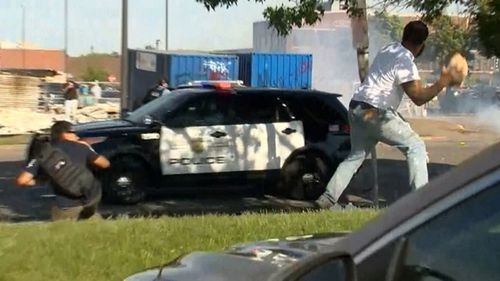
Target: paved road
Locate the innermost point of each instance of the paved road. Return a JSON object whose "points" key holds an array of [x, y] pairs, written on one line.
{"points": [[449, 141]]}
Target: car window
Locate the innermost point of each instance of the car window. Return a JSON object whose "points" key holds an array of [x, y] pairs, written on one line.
{"points": [[158, 108], [318, 111], [461, 244], [205, 110], [316, 115], [332, 270], [255, 109]]}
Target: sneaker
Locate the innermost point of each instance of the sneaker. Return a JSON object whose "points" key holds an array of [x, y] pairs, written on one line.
{"points": [[336, 207], [350, 207], [323, 202]]}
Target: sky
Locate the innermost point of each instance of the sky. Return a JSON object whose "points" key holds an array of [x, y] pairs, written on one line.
{"points": [[97, 23]]}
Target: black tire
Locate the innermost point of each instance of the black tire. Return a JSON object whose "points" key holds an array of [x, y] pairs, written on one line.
{"points": [[305, 176], [126, 180]]}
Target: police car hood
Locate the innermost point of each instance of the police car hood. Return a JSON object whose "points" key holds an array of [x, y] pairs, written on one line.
{"points": [[251, 261], [102, 125]]}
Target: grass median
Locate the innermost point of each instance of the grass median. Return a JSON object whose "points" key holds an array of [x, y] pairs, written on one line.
{"points": [[114, 249], [15, 139]]}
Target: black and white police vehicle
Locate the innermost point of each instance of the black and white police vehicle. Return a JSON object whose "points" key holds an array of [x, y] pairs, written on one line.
{"points": [[220, 135]]}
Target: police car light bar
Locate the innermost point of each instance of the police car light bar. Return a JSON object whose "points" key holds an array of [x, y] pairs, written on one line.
{"points": [[218, 84], [213, 84]]}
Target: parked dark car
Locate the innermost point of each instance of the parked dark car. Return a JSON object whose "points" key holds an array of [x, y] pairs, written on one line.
{"points": [[217, 135], [468, 100], [448, 230]]}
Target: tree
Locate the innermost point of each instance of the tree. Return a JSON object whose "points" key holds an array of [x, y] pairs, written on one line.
{"points": [[488, 21], [92, 73], [282, 17], [485, 14], [447, 38], [390, 27]]}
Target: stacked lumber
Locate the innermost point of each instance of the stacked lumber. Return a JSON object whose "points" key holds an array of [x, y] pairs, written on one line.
{"points": [[19, 91]]}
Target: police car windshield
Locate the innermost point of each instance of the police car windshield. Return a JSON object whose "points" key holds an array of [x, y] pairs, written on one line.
{"points": [[158, 107]]}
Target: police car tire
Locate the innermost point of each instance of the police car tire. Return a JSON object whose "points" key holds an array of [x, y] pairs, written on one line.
{"points": [[133, 169], [294, 170]]}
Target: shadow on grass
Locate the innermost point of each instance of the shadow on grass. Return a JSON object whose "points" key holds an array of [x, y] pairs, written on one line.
{"points": [[33, 204]]}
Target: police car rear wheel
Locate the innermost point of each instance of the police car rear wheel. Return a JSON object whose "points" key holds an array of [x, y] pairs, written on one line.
{"points": [[305, 177], [126, 181]]}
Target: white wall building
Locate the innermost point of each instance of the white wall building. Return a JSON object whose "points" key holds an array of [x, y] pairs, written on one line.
{"points": [[335, 68]]}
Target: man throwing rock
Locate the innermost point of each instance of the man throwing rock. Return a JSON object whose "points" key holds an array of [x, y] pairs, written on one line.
{"points": [[373, 116]]}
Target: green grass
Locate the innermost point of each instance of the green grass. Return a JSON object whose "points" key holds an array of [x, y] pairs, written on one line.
{"points": [[114, 249], [16, 139]]}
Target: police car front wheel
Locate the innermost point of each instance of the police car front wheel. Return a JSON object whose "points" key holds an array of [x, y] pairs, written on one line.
{"points": [[126, 181]]}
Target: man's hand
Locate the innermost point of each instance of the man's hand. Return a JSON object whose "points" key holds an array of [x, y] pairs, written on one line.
{"points": [[420, 95], [101, 162], [445, 78], [25, 179]]}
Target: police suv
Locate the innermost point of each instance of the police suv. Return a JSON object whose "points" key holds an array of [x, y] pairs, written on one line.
{"points": [[220, 135]]}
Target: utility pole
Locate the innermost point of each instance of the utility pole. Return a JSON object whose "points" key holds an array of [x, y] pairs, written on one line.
{"points": [[166, 25], [124, 59], [66, 39], [23, 35], [359, 26]]}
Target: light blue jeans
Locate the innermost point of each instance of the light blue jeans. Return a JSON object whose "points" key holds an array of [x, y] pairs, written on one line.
{"points": [[368, 127]]}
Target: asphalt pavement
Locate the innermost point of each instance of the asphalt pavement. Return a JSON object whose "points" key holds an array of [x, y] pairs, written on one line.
{"points": [[449, 141]]}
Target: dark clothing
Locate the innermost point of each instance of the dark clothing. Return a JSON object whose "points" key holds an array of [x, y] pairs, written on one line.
{"points": [[71, 94], [154, 93], [79, 154], [76, 213]]}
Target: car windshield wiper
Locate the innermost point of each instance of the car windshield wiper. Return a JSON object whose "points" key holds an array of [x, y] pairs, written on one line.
{"points": [[175, 261]]}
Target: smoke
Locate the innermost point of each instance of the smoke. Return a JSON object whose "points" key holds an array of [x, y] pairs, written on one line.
{"points": [[335, 67], [489, 116], [480, 102]]}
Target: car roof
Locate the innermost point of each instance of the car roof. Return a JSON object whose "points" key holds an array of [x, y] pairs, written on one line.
{"points": [[282, 90], [251, 90], [405, 208]]}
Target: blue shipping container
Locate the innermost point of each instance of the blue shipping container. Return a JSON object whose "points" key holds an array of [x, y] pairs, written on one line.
{"points": [[146, 67], [276, 70], [185, 68]]}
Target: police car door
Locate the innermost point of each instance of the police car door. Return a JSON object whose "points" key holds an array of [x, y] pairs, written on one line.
{"points": [[268, 138], [196, 141], [289, 132]]}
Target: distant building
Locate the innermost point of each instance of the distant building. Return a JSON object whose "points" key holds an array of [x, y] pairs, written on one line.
{"points": [[107, 62], [330, 43], [19, 58], [14, 56]]}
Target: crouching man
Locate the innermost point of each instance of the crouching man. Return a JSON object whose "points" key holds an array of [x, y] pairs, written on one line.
{"points": [[66, 164]]}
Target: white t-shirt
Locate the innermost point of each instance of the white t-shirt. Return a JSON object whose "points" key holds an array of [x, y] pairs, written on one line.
{"points": [[392, 67], [96, 91]]}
